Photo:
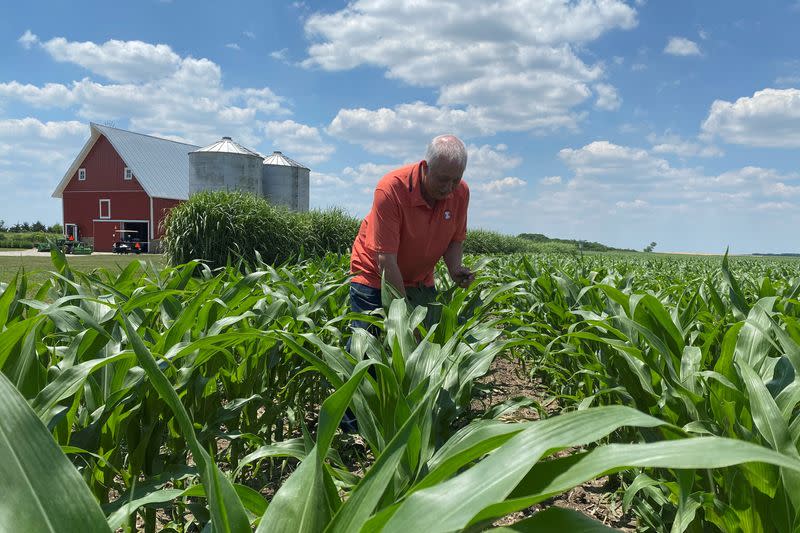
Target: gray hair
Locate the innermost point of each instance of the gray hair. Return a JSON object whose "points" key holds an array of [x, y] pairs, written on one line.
{"points": [[446, 148]]}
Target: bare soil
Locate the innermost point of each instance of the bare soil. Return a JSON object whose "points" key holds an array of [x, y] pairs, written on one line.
{"points": [[598, 499]]}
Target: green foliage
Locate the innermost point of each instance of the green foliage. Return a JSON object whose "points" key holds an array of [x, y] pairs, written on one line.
{"points": [[481, 241], [223, 227], [681, 377], [26, 239], [586, 246]]}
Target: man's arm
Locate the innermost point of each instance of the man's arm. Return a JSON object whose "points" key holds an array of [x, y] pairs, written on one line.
{"points": [[387, 265], [453, 257]]}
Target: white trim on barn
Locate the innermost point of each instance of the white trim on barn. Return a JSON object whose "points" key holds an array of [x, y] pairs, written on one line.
{"points": [[108, 202], [118, 220]]}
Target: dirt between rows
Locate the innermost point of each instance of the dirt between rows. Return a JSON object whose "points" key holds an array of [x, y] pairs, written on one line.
{"points": [[598, 499]]}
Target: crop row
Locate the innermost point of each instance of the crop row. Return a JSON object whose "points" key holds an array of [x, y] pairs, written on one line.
{"points": [[167, 396]]}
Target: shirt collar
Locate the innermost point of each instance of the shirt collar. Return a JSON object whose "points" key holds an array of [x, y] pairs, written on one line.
{"points": [[415, 186]]}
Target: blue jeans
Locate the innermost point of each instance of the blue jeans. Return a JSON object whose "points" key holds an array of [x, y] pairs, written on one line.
{"points": [[363, 299]]}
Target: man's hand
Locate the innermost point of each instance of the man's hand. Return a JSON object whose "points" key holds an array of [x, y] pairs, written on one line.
{"points": [[462, 276]]}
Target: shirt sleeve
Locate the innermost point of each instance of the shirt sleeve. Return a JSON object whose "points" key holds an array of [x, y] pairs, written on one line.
{"points": [[461, 231], [383, 235]]}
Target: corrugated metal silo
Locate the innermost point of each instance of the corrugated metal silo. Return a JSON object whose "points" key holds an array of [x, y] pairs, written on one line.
{"points": [[225, 165], [284, 181]]}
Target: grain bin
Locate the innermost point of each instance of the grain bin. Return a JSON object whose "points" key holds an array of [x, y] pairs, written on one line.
{"points": [[225, 165], [284, 181]]}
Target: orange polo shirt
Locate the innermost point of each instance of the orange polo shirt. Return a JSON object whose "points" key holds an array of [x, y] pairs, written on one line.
{"points": [[401, 222]]}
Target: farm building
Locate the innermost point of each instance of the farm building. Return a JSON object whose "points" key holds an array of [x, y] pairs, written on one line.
{"points": [[122, 184]]}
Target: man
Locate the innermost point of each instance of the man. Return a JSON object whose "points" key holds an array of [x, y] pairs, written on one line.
{"points": [[418, 216]]}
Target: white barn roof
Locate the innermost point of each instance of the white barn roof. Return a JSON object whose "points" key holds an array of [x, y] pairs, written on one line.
{"points": [[161, 166]]}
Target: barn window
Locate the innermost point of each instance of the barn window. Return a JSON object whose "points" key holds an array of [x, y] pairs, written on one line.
{"points": [[128, 174], [105, 208], [81, 174]]}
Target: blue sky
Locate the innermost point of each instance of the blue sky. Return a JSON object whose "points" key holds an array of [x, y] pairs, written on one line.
{"points": [[621, 122]]}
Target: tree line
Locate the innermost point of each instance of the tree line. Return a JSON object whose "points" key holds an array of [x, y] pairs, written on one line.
{"points": [[26, 227]]}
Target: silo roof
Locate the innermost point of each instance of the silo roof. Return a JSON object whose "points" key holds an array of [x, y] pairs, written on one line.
{"points": [[228, 146], [277, 158]]}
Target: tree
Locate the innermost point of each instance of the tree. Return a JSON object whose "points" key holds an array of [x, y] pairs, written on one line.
{"points": [[55, 228], [650, 247], [3, 225], [38, 226]]}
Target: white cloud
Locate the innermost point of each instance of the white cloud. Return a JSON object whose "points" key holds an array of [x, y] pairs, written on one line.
{"points": [[488, 162], [602, 158], [233, 46], [402, 131], [367, 174], [28, 39], [775, 206], [638, 67], [501, 185], [500, 66], [249, 34], [770, 118], [126, 61], [680, 46], [33, 157], [674, 144], [635, 204], [607, 97], [280, 55], [298, 141], [551, 180], [187, 101], [322, 180], [49, 95]]}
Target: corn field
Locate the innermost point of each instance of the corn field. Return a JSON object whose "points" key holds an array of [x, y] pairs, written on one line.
{"points": [[190, 399]]}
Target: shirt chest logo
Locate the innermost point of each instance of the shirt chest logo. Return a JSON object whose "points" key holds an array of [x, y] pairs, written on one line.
{"points": [[447, 215]]}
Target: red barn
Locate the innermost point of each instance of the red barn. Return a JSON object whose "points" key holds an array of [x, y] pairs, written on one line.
{"points": [[122, 184]]}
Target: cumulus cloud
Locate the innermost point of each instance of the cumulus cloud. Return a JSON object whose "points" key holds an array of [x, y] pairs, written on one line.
{"points": [[607, 97], [403, 131], [681, 46], [671, 143], [33, 157], [127, 61], [551, 180], [28, 39], [635, 204], [501, 186], [606, 159], [488, 162], [298, 141], [323, 180], [161, 93], [280, 55], [769, 118], [502, 66]]}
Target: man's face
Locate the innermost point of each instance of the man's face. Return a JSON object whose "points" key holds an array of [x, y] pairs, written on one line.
{"points": [[443, 180]]}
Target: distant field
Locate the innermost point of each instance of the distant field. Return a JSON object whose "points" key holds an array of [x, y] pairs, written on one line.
{"points": [[39, 266]]}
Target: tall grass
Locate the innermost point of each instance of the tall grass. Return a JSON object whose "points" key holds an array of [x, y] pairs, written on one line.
{"points": [[224, 227]]}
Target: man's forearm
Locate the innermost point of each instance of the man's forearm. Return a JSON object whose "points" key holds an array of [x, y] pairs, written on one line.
{"points": [[391, 272], [454, 255]]}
